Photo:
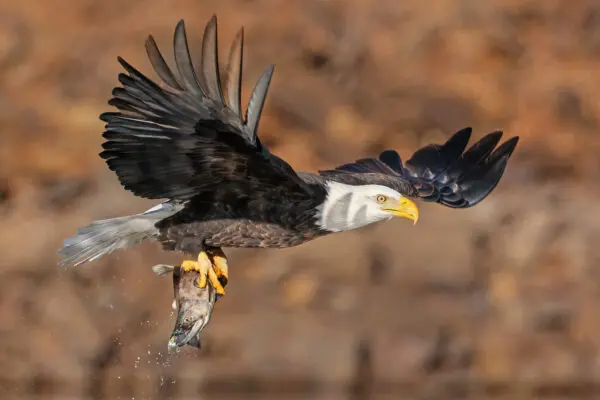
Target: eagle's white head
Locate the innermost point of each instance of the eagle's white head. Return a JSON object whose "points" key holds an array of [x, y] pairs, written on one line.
{"points": [[349, 207]]}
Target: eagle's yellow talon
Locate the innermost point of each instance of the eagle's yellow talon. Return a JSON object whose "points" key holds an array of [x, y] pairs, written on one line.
{"points": [[219, 262], [209, 270], [214, 281], [202, 281], [190, 265]]}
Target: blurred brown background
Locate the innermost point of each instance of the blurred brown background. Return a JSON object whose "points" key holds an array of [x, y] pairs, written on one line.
{"points": [[499, 301]]}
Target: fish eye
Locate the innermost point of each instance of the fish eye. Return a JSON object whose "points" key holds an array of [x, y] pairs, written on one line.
{"points": [[381, 198]]}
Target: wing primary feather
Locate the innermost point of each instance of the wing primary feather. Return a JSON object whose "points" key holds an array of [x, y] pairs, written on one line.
{"points": [[475, 154], [482, 180], [138, 77], [210, 62], [392, 159], [145, 98], [149, 88], [125, 105], [160, 65], [482, 148], [122, 94], [257, 102], [505, 148], [183, 59], [154, 94], [479, 181], [234, 74], [456, 145]]}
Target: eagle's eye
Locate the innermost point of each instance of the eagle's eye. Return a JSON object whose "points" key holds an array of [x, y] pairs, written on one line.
{"points": [[381, 198]]}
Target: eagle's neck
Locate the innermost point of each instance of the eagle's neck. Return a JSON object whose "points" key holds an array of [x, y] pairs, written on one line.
{"points": [[346, 207]]}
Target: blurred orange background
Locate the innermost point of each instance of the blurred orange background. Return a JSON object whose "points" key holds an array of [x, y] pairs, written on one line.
{"points": [[495, 302]]}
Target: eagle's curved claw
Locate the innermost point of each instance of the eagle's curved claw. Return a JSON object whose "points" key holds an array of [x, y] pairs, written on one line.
{"points": [[205, 267], [219, 263]]}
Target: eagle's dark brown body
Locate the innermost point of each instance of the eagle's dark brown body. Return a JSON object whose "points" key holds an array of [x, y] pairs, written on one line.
{"points": [[195, 236]]}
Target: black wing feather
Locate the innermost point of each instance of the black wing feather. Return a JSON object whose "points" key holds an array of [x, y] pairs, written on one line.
{"points": [[210, 62], [160, 65], [183, 60], [475, 154], [234, 74], [256, 104], [181, 141], [392, 159]]}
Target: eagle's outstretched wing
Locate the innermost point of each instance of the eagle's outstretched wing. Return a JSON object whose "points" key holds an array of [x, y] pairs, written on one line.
{"points": [[184, 138], [446, 173]]}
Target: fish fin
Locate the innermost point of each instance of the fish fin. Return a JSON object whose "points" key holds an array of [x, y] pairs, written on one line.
{"points": [[162, 269]]}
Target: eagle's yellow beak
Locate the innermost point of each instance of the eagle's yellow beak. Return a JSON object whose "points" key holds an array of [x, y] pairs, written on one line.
{"points": [[405, 208]]}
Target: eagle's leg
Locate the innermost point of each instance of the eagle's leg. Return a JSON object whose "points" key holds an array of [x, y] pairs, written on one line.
{"points": [[205, 267], [219, 264]]}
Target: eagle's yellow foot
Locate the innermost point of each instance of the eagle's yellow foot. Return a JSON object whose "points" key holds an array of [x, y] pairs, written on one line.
{"points": [[219, 263], [205, 267]]}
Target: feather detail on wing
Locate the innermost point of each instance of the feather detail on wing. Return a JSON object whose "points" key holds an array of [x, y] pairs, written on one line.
{"points": [[181, 139], [443, 173]]}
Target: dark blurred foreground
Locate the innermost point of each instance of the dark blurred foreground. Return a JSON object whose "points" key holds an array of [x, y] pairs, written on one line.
{"points": [[496, 302]]}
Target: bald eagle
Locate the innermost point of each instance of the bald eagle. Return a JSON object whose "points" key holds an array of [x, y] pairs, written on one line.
{"points": [[186, 142]]}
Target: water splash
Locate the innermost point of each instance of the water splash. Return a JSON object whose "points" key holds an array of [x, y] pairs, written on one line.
{"points": [[158, 358]]}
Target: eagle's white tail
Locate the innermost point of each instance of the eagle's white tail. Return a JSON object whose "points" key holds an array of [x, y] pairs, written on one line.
{"points": [[105, 236]]}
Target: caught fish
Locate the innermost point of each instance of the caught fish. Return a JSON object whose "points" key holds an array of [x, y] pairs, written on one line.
{"points": [[194, 306]]}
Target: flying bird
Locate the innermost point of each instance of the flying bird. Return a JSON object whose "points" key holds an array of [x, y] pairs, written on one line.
{"points": [[187, 142]]}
